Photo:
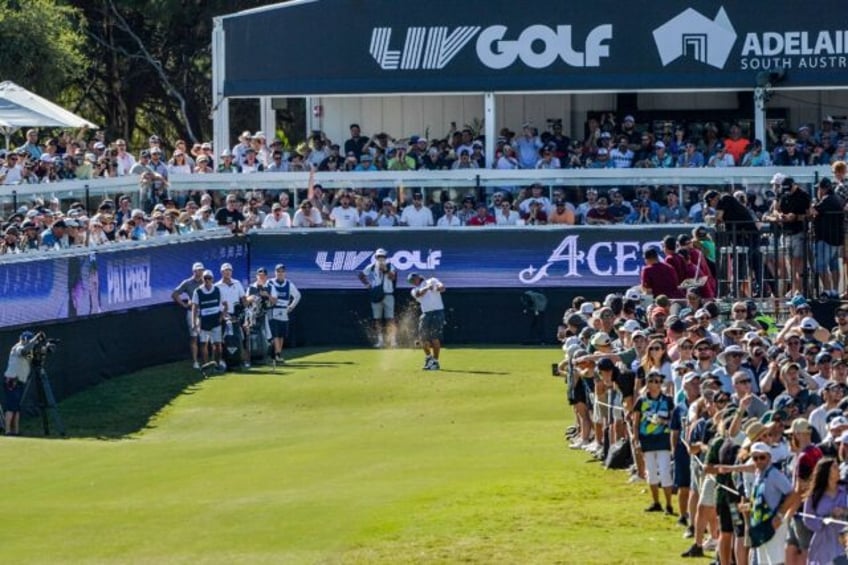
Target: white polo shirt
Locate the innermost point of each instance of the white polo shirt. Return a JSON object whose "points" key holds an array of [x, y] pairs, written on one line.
{"points": [[231, 293], [430, 300]]}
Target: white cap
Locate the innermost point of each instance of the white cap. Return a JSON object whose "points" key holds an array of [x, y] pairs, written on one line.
{"points": [[207, 273], [587, 308], [226, 266], [778, 178], [760, 447], [197, 266], [633, 294], [380, 253], [631, 326], [809, 323]]}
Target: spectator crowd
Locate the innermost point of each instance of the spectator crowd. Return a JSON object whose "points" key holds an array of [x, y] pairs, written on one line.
{"points": [[738, 427], [159, 212]]}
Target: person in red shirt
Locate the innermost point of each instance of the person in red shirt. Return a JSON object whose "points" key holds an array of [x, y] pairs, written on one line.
{"points": [[735, 144], [672, 258], [482, 217], [659, 278]]}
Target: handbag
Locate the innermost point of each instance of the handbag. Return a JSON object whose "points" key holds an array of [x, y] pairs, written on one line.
{"points": [[377, 293]]}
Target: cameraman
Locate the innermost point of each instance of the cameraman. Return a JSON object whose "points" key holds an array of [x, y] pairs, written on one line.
{"points": [[17, 373], [379, 278]]}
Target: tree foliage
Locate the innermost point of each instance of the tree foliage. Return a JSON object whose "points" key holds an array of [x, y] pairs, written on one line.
{"points": [[42, 45], [149, 66]]}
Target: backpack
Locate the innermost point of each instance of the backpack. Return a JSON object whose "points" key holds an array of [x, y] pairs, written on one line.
{"points": [[619, 456]]}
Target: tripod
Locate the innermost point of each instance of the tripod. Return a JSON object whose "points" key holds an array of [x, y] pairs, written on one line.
{"points": [[46, 400]]}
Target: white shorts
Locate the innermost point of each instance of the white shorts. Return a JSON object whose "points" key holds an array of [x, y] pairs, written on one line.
{"points": [[708, 491], [658, 468], [213, 335], [385, 309], [774, 550]]}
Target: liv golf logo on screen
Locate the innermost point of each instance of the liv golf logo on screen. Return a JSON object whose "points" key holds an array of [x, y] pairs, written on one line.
{"points": [[497, 47]]}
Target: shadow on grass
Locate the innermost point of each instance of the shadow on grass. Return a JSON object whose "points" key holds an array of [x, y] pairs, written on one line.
{"points": [[312, 364], [121, 406], [458, 372]]}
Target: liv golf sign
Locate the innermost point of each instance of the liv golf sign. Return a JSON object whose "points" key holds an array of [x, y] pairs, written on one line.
{"points": [[480, 45]]}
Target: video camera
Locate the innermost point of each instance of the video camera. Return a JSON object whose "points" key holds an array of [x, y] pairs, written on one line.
{"points": [[44, 346]]}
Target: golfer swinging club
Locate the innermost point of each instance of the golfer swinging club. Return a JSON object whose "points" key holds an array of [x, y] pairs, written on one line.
{"points": [[428, 293]]}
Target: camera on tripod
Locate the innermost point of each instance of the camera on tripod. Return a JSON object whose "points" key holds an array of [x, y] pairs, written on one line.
{"points": [[44, 346]]}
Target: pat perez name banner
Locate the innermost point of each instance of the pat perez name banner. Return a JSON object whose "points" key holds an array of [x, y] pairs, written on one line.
{"points": [[52, 287]]}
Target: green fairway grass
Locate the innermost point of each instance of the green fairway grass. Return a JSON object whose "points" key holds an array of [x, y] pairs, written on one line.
{"points": [[346, 456]]}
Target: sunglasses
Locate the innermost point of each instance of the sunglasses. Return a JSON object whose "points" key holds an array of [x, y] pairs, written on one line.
{"points": [[740, 311], [207, 278], [743, 382], [702, 349], [655, 348], [722, 401], [759, 457], [686, 347], [793, 342], [655, 381], [734, 355]]}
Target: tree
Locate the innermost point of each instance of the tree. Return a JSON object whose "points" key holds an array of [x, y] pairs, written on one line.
{"points": [[150, 65], [41, 45]]}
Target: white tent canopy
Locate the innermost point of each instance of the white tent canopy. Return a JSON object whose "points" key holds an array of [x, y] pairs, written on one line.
{"points": [[21, 108]]}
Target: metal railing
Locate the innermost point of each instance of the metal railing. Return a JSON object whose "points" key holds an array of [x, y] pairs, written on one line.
{"points": [[475, 182]]}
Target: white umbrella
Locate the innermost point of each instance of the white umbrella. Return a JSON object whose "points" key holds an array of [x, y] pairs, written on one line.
{"points": [[21, 108]]}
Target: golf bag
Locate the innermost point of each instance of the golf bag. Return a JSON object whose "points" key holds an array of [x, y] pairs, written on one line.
{"points": [[232, 344], [256, 326]]}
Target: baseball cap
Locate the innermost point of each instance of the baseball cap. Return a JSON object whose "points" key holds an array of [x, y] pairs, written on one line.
{"points": [[690, 376], [600, 339], [800, 426], [631, 326], [809, 323], [380, 253], [207, 273], [262, 270], [411, 276], [197, 266], [280, 267], [761, 448], [26, 335], [226, 266], [633, 294], [797, 300]]}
